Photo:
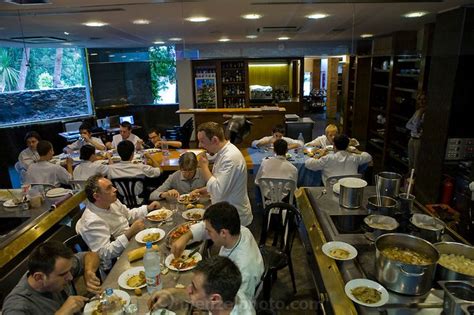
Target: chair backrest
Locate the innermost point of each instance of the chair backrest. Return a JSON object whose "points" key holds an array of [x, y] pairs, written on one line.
{"points": [[77, 184], [341, 176], [285, 226], [130, 190], [185, 132], [275, 189], [76, 243]]}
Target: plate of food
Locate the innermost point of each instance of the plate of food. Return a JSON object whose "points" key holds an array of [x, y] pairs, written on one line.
{"points": [[195, 214], [95, 308], [57, 192], [193, 206], [176, 233], [183, 263], [150, 235], [159, 215], [152, 150], [366, 292], [133, 278], [339, 250], [10, 203], [187, 198]]}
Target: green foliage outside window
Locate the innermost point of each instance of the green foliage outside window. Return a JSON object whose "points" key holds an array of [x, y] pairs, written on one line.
{"points": [[163, 69]]}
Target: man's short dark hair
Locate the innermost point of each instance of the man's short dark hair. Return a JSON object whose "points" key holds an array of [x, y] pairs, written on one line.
{"points": [[280, 147], [125, 149], [222, 276], [32, 134], [85, 126], [279, 129], [223, 215], [92, 186], [126, 124], [341, 142], [43, 147], [43, 258], [153, 130], [212, 129], [86, 152]]}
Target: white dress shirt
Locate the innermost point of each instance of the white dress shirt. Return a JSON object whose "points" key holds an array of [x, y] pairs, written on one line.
{"points": [[96, 227], [45, 172], [276, 167], [256, 143], [87, 168], [321, 141], [245, 254], [27, 157], [116, 139], [229, 181], [337, 164], [77, 145], [129, 169]]}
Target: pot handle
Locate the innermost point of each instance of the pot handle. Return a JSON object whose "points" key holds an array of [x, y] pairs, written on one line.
{"points": [[412, 274]]}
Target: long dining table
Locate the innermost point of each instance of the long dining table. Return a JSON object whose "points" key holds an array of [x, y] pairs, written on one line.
{"points": [[170, 279]]}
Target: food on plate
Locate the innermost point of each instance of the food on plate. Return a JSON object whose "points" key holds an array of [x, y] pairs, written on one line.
{"points": [[138, 292], [114, 301], [183, 262], [406, 255], [458, 263], [199, 206], [339, 253], [366, 295], [190, 206], [194, 215], [160, 216], [136, 281], [180, 230], [138, 253], [152, 237], [186, 199]]}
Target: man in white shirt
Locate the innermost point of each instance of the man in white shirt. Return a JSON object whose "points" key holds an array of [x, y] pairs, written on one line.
{"points": [[214, 288], [106, 224], [125, 168], [45, 172], [277, 133], [221, 224], [155, 141], [85, 138], [341, 162], [125, 134], [325, 140], [277, 167], [90, 164], [228, 180], [29, 155]]}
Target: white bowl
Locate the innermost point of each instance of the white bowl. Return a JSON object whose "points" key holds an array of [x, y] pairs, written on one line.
{"points": [[355, 283], [339, 245]]}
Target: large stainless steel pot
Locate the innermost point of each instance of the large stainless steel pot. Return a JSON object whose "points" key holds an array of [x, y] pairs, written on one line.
{"points": [[389, 183], [352, 192], [387, 206], [402, 277], [380, 224], [443, 273], [456, 294], [427, 227]]}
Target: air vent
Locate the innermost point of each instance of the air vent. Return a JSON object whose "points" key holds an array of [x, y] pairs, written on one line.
{"points": [[27, 2], [39, 40], [278, 29]]}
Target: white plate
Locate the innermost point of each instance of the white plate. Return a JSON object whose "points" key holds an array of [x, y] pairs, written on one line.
{"points": [[170, 257], [160, 312], [169, 213], [91, 306], [122, 280], [57, 192], [342, 245], [193, 210], [355, 283], [180, 199], [139, 237], [10, 204], [151, 151], [336, 188]]}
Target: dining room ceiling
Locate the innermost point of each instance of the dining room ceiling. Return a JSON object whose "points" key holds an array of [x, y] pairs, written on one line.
{"points": [[60, 22]]}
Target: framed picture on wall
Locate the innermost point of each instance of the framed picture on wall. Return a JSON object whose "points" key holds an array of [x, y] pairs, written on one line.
{"points": [[206, 95]]}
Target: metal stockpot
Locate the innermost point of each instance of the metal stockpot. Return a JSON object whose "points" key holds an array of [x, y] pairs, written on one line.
{"points": [[402, 277], [388, 205], [456, 294], [427, 227], [373, 225], [443, 273], [351, 192], [389, 183]]}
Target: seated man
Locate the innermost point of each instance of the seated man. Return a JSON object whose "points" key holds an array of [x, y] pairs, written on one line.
{"points": [[154, 140], [90, 164], [214, 288], [45, 172], [277, 133], [125, 168], [221, 223], [341, 162], [277, 167], [125, 134], [106, 218], [326, 141], [184, 181], [85, 138], [46, 287], [29, 155]]}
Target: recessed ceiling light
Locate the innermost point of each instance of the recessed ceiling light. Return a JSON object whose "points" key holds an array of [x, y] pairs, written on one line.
{"points": [[95, 24], [367, 35], [66, 33], [175, 39], [283, 38], [316, 16], [415, 14], [159, 42], [141, 22], [93, 54], [111, 56], [67, 44], [225, 39], [251, 36], [197, 19], [252, 16]]}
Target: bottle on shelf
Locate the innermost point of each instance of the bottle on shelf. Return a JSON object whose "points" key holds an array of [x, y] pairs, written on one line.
{"points": [[151, 261], [299, 152]]}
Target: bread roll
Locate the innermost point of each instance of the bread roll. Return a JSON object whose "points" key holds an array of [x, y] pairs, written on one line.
{"points": [[138, 253]]}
